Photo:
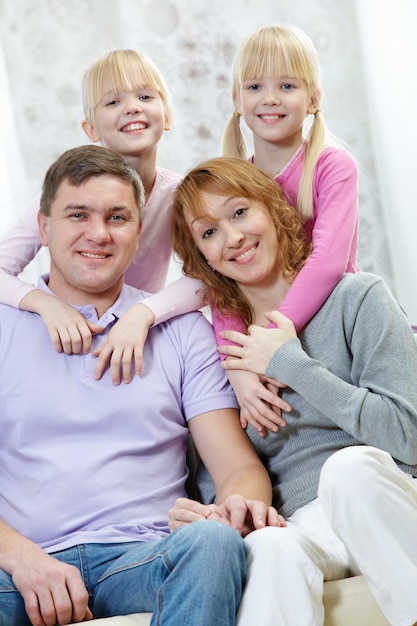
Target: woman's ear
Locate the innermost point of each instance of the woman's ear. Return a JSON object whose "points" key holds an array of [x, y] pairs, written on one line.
{"points": [[90, 131]]}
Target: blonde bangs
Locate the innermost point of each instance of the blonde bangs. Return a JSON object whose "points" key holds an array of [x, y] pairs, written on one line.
{"points": [[274, 51], [123, 70]]}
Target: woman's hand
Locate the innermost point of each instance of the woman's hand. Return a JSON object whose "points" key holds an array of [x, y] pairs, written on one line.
{"points": [[256, 349], [69, 331], [123, 345], [243, 515], [260, 404]]}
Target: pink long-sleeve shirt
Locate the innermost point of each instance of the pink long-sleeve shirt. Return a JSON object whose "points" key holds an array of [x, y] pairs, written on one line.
{"points": [[149, 267]]}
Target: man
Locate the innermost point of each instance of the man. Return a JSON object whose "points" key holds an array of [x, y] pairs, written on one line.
{"points": [[89, 469]]}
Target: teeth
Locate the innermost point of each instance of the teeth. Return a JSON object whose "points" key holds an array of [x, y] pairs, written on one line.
{"points": [[135, 126], [245, 254], [271, 117], [90, 255]]}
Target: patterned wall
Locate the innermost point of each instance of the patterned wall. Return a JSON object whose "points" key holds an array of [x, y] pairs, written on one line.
{"points": [[48, 44]]}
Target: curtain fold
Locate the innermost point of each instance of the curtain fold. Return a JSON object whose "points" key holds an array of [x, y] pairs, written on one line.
{"points": [[389, 45]]}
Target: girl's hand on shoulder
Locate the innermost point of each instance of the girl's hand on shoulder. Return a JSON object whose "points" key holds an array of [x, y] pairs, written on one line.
{"points": [[69, 331], [123, 346], [260, 404]]}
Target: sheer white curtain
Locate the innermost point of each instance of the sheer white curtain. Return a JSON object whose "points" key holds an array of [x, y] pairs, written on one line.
{"points": [[389, 44], [13, 180]]}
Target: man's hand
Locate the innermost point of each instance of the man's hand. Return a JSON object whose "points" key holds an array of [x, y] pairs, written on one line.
{"points": [[256, 349], [53, 592], [243, 515], [124, 345]]}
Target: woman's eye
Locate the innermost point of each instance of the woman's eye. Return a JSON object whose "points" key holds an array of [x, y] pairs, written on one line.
{"points": [[239, 212], [208, 233]]}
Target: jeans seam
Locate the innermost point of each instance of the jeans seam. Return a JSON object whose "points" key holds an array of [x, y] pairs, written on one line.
{"points": [[162, 554]]}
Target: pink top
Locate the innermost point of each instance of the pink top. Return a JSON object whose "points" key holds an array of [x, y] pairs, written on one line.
{"points": [[151, 262], [333, 230]]}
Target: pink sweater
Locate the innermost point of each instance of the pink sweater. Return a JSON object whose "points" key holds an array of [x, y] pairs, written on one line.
{"points": [[150, 265], [333, 230]]}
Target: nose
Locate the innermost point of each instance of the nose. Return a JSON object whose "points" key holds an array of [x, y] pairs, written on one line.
{"points": [[234, 237], [271, 97], [132, 104], [98, 231]]}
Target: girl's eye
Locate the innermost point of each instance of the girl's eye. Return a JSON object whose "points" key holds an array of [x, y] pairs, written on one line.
{"points": [[239, 212], [254, 87], [287, 86]]}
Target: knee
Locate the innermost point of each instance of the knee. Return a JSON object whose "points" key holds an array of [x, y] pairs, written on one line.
{"points": [[281, 545], [216, 540], [353, 473]]}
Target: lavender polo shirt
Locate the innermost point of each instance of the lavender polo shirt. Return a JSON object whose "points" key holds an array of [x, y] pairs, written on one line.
{"points": [[86, 461]]}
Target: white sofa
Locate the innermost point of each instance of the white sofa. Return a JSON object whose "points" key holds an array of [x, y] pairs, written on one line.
{"points": [[347, 602]]}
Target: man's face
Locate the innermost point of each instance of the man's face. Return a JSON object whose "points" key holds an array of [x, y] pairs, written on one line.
{"points": [[92, 234]]}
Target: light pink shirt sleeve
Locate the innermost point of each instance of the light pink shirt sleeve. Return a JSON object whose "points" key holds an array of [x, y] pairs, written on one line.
{"points": [[334, 234], [179, 297], [17, 249]]}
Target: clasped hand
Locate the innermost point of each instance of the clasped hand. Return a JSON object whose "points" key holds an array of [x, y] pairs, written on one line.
{"points": [[241, 514]]}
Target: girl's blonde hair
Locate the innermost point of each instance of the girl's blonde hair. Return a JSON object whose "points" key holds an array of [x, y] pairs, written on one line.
{"points": [[233, 177], [272, 51], [126, 70]]}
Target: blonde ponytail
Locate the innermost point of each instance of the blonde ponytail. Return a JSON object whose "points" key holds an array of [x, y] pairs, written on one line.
{"points": [[233, 143], [318, 139]]}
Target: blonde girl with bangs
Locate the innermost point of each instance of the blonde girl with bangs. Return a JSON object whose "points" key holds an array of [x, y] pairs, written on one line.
{"points": [[276, 86], [127, 108]]}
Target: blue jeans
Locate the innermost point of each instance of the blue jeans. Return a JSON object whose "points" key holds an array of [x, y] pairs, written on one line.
{"points": [[193, 577]]}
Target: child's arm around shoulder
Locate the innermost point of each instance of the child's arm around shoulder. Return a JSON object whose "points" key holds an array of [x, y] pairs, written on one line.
{"points": [[334, 235], [126, 339], [68, 329]]}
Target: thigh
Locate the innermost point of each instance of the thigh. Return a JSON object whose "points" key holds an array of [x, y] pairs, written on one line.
{"points": [[12, 607], [180, 574]]}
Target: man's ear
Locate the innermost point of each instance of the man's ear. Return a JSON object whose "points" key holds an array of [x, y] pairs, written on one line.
{"points": [[90, 131], [43, 228]]}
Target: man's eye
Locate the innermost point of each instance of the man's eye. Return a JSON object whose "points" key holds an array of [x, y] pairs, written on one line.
{"points": [[77, 216], [117, 218]]}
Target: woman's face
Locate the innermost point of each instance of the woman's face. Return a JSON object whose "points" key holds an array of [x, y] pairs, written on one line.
{"points": [[238, 239]]}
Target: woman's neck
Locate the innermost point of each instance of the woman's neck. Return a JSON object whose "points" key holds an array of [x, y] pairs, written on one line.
{"points": [[264, 297]]}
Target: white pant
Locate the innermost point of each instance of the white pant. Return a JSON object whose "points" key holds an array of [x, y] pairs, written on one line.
{"points": [[371, 506]]}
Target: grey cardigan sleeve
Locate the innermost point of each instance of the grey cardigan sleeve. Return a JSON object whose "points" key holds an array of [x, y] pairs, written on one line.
{"points": [[363, 375]]}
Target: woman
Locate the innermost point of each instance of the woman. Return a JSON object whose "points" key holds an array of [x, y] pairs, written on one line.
{"points": [[345, 462]]}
